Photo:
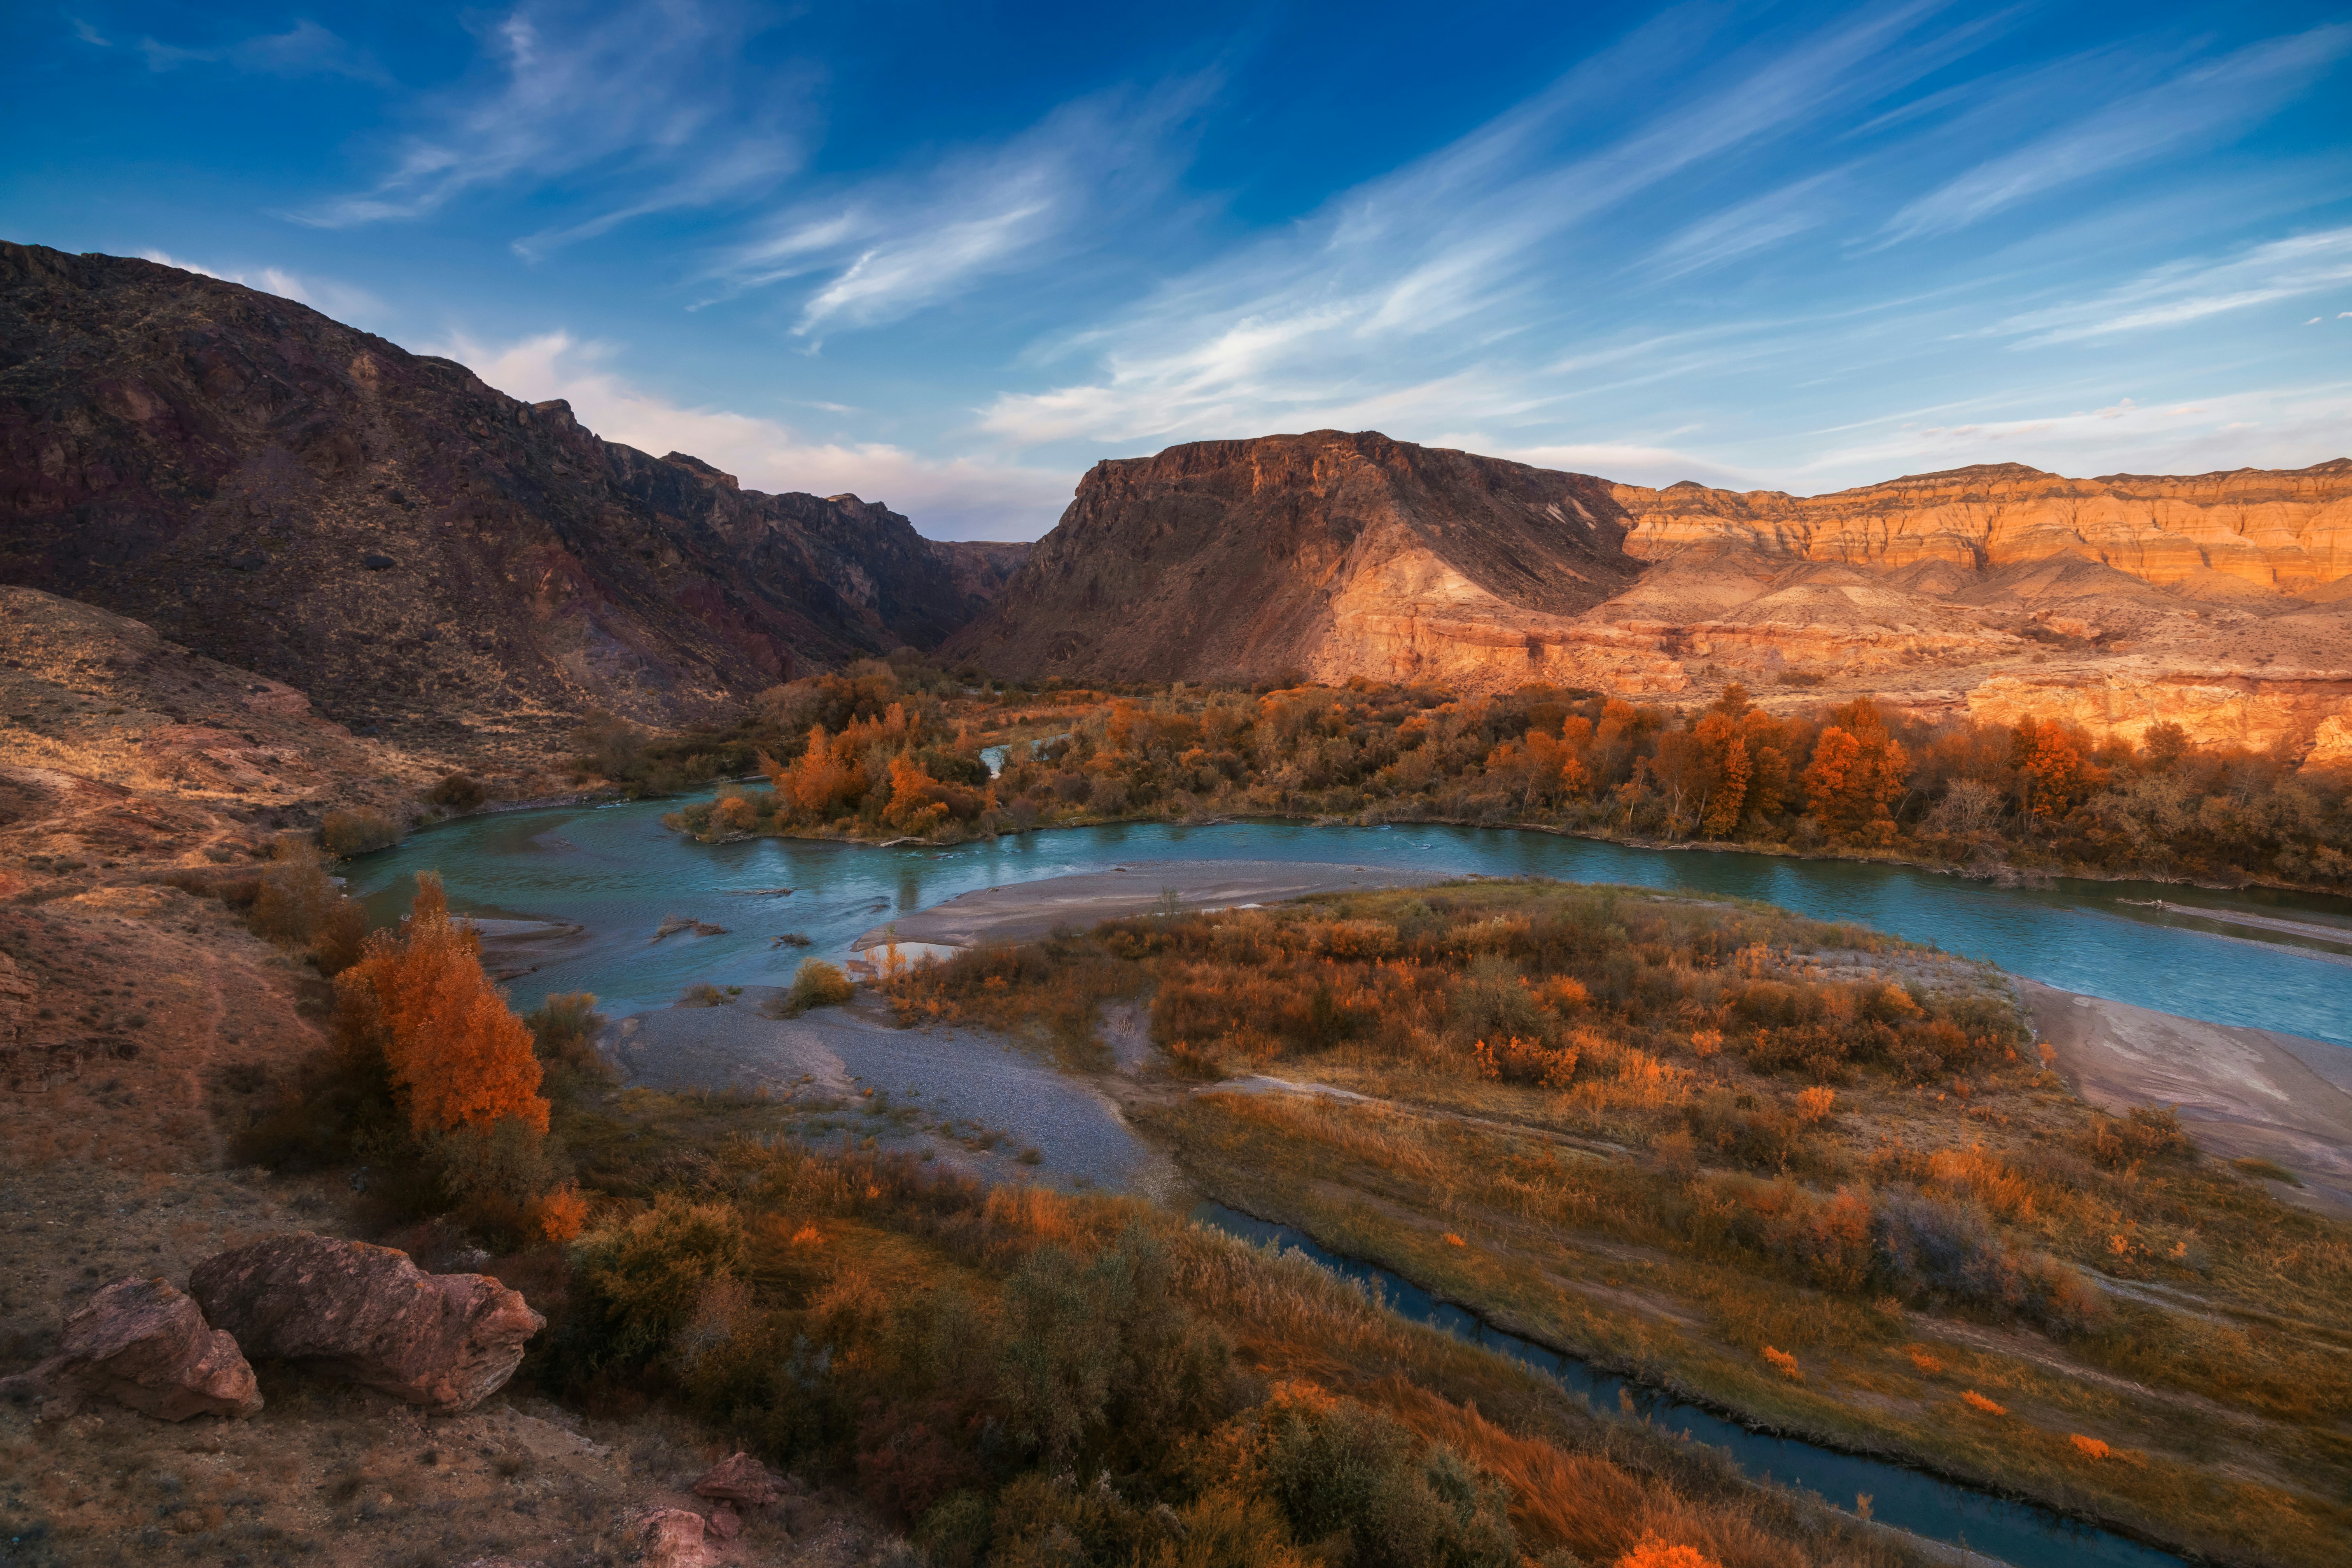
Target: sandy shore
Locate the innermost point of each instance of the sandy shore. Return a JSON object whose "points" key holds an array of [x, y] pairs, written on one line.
{"points": [[2241, 1093], [1027, 910]]}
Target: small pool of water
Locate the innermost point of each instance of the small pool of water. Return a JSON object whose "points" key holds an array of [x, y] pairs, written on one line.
{"points": [[2017, 1533]]}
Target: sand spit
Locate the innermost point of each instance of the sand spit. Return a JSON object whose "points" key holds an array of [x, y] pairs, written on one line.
{"points": [[2242, 1093], [1027, 910]]}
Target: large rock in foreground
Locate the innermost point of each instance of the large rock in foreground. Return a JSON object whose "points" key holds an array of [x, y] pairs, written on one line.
{"points": [[142, 1343], [444, 1340]]}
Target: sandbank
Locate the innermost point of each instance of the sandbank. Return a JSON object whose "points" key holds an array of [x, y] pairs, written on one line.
{"points": [[1024, 911], [2241, 1093]]}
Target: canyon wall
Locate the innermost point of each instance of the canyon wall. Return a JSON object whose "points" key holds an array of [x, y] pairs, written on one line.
{"points": [[1993, 594], [2289, 531]]}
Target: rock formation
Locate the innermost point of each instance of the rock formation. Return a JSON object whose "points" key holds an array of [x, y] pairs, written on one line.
{"points": [[2222, 603], [741, 1480], [1326, 554], [141, 1344], [367, 1313], [2287, 532], [416, 551]]}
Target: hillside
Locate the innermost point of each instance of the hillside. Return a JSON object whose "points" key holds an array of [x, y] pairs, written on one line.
{"points": [[1993, 594], [420, 553], [1326, 555]]}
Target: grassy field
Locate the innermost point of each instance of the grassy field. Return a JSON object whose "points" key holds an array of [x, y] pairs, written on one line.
{"points": [[1807, 1173]]}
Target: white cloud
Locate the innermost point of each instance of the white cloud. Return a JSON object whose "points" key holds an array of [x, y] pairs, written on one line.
{"points": [[2211, 102], [2189, 290], [2282, 428], [641, 90], [889, 246], [343, 302], [952, 498]]}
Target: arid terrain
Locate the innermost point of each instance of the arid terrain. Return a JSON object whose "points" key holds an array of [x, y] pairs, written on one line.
{"points": [[1998, 593]]}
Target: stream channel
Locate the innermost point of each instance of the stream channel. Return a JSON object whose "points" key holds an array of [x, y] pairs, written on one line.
{"points": [[616, 871]]}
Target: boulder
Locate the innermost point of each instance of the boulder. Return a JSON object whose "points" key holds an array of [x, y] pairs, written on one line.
{"points": [[368, 1313], [672, 1538], [142, 1343], [724, 1524], [741, 1480]]}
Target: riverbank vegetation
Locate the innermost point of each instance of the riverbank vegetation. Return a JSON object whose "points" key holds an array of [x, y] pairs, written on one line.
{"points": [[890, 750], [1815, 1176], [1008, 1376]]}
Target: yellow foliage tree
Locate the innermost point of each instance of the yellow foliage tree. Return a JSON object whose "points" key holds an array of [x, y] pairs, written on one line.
{"points": [[457, 1054]]}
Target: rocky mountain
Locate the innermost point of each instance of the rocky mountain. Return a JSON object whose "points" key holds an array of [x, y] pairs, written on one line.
{"points": [[420, 553], [1327, 555], [2222, 603]]}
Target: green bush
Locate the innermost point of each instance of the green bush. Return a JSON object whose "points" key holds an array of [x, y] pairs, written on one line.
{"points": [[359, 831], [816, 985], [640, 1280]]}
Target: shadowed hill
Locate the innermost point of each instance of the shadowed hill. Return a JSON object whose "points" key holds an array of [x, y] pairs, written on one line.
{"points": [[415, 549]]}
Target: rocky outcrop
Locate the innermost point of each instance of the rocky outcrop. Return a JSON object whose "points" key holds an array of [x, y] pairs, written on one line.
{"points": [[1327, 555], [367, 1313], [741, 1480], [144, 1345], [2282, 530], [981, 569], [417, 551], [671, 1538]]}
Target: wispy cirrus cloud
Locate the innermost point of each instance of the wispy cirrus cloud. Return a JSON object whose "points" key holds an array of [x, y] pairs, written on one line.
{"points": [[304, 50], [953, 497], [643, 90], [885, 247], [1470, 242], [2189, 290], [2203, 101]]}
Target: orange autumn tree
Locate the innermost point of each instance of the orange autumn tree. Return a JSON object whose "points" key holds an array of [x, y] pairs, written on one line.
{"points": [[1858, 772], [458, 1055]]}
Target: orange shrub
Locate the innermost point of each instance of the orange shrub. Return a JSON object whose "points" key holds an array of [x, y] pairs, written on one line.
{"points": [[1453, 1240], [1976, 1401], [1653, 1553], [457, 1052], [1785, 1364], [1813, 1104], [2090, 1447], [1924, 1362], [560, 1216]]}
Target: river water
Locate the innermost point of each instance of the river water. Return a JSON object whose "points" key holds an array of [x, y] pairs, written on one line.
{"points": [[615, 870]]}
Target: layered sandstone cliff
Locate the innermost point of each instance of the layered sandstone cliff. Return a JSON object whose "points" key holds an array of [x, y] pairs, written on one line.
{"points": [[1982, 594], [2290, 531], [419, 553]]}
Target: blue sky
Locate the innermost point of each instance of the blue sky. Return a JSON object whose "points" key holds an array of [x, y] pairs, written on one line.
{"points": [[947, 256]]}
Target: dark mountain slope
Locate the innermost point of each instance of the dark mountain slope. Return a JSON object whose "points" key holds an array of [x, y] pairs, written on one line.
{"points": [[381, 530]]}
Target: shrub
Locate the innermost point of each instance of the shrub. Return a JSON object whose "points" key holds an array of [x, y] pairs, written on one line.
{"points": [[457, 792], [640, 1280], [815, 984], [1784, 1363], [1653, 1552], [703, 995], [1976, 1401], [2146, 1133], [362, 830], [2090, 1447], [564, 1029], [1338, 1468]]}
